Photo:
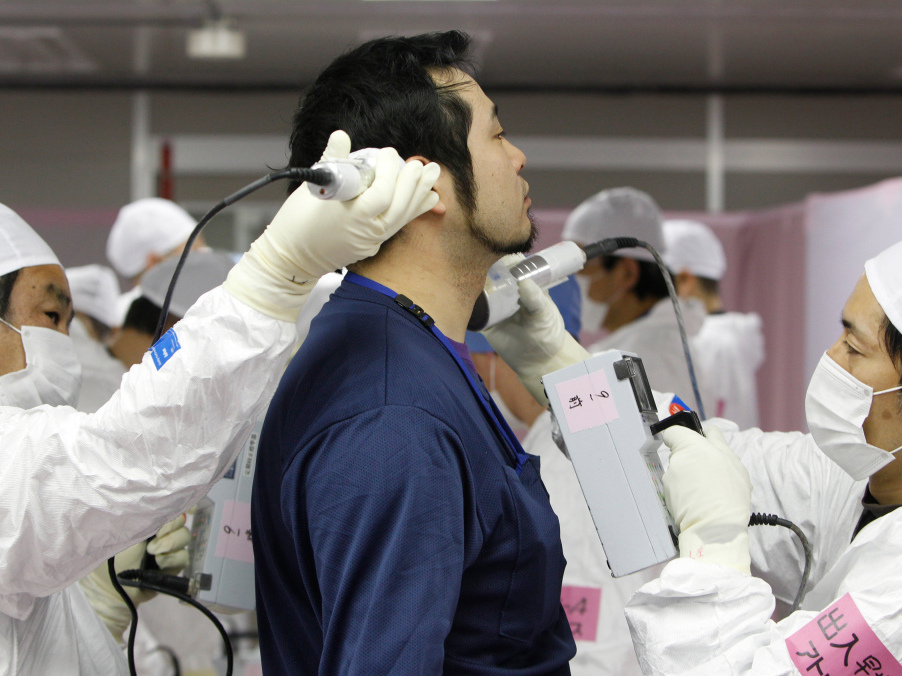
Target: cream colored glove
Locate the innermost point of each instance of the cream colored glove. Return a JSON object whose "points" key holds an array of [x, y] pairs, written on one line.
{"points": [[534, 341], [309, 237], [708, 492], [168, 547]]}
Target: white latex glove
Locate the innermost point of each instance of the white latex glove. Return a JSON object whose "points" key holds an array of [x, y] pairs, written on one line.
{"points": [[533, 341], [309, 237], [169, 548], [708, 492]]}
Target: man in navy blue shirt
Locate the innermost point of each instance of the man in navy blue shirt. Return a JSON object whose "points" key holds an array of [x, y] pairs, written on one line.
{"points": [[399, 528]]}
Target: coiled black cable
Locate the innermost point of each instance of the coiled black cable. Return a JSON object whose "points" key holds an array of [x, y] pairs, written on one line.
{"points": [[759, 519], [140, 579]]}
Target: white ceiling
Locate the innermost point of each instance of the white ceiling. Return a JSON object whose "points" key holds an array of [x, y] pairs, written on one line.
{"points": [[522, 44]]}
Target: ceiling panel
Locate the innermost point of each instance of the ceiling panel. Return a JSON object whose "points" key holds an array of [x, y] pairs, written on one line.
{"points": [[522, 44]]}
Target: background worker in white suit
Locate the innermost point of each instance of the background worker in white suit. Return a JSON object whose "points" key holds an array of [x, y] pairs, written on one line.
{"points": [[729, 348]]}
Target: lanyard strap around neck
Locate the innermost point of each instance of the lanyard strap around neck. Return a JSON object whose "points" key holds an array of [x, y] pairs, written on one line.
{"points": [[512, 444]]}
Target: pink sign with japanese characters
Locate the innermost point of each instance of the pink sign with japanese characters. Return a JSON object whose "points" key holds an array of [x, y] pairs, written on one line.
{"points": [[839, 641], [234, 538], [587, 401], [582, 606]]}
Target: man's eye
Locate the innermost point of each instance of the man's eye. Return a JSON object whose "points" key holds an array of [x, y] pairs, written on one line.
{"points": [[54, 317], [849, 348]]}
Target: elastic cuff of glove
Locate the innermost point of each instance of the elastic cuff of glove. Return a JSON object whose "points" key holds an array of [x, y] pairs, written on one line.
{"points": [[108, 606], [531, 375], [256, 283], [733, 554]]}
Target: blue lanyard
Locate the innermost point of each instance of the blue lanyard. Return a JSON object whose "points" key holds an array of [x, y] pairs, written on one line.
{"points": [[514, 448]]}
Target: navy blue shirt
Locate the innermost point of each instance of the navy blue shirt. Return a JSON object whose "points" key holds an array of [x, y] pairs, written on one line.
{"points": [[392, 534]]}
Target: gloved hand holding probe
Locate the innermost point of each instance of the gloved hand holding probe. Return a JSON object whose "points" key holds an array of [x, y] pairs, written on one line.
{"points": [[169, 547], [309, 237], [534, 341], [708, 492]]}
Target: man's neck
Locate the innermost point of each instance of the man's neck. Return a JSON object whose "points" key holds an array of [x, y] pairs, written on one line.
{"points": [[713, 303], [446, 291], [627, 310], [886, 484]]}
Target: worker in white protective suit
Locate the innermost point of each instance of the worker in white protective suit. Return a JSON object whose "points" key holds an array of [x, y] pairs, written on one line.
{"points": [[840, 484], [625, 293], [706, 614], [95, 291], [729, 348], [77, 488], [592, 599]]}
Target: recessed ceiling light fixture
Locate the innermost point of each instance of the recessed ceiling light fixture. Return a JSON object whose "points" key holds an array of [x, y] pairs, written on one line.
{"points": [[217, 39], [429, 0]]}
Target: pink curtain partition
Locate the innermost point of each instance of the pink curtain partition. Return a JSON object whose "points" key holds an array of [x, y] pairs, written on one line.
{"points": [[766, 274], [78, 236]]}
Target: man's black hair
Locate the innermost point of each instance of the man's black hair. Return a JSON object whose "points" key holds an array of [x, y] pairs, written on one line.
{"points": [[142, 316], [651, 283], [7, 282], [382, 94]]}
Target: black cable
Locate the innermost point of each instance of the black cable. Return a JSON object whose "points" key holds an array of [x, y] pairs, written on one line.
{"points": [[190, 601], [610, 245], [758, 519], [114, 579], [174, 659], [317, 176]]}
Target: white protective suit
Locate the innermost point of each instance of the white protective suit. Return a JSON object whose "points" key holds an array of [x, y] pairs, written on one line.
{"points": [[728, 350], [595, 599], [699, 618], [656, 338], [66, 477], [101, 372]]}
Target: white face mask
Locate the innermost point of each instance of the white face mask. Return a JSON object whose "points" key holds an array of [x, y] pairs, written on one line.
{"points": [[52, 373], [836, 406], [592, 312]]}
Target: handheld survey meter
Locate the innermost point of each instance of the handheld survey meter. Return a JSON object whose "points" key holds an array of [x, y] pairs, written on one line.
{"points": [[609, 422], [221, 554]]}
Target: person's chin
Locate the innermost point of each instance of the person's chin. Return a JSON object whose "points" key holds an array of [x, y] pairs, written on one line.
{"points": [[527, 239]]}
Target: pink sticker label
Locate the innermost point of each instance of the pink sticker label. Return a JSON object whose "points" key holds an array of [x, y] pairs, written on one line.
{"points": [[839, 641], [587, 401], [582, 605], [234, 540]]}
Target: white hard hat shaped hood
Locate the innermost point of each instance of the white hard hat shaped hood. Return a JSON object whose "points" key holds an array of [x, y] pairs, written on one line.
{"points": [[884, 273], [148, 226], [619, 212], [95, 290], [694, 247], [203, 271], [20, 246]]}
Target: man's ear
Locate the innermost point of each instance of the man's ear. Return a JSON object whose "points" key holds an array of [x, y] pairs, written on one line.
{"points": [[443, 186], [685, 283], [628, 272]]}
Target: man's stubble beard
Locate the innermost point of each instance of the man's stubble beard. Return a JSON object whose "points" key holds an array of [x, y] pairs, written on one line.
{"points": [[502, 248]]}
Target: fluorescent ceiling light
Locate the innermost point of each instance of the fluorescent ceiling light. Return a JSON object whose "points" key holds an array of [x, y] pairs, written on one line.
{"points": [[218, 39]]}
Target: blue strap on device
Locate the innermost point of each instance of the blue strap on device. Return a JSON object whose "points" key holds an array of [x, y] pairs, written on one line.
{"points": [[512, 444]]}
